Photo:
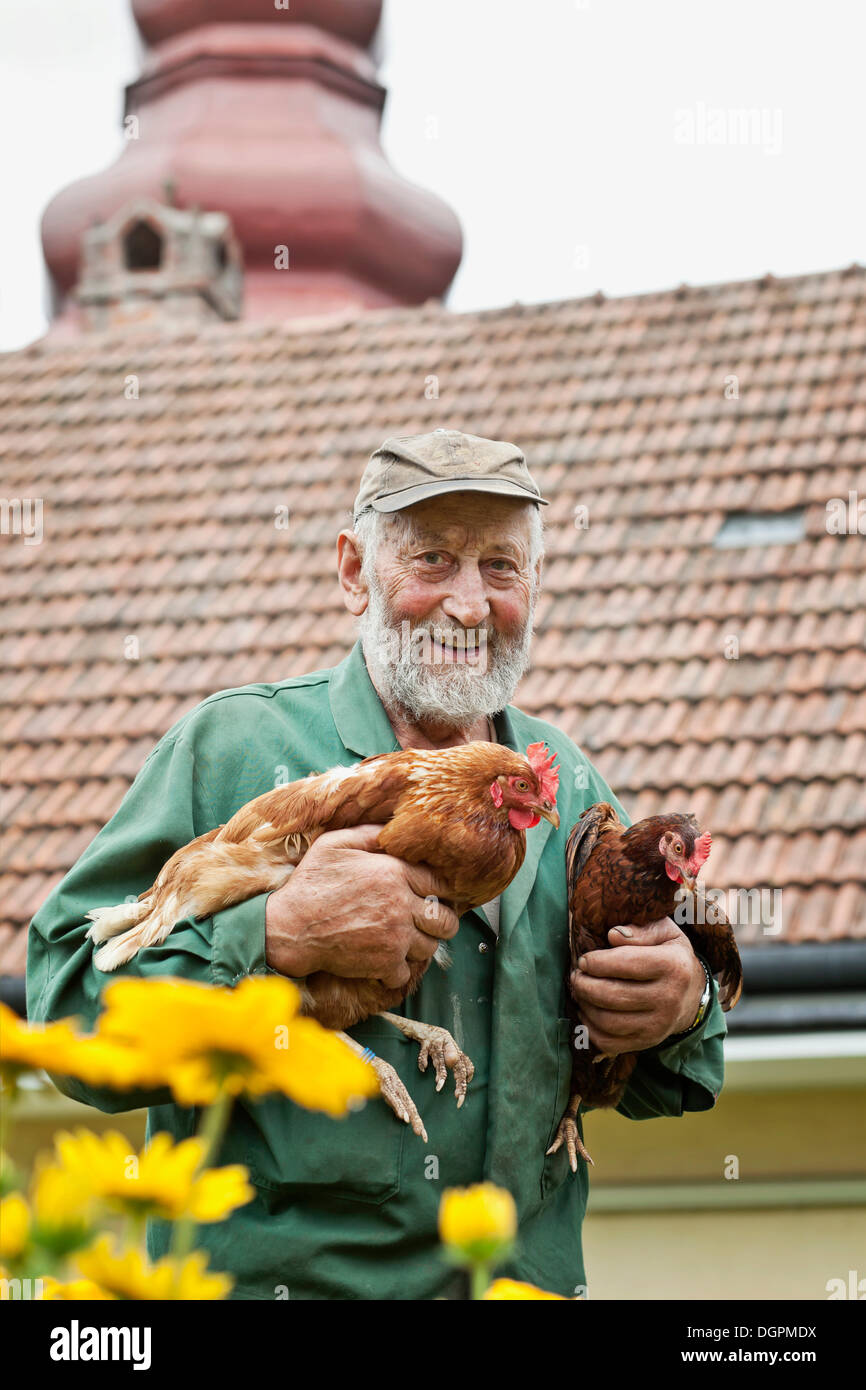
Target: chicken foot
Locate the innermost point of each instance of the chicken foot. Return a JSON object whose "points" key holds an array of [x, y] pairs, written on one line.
{"points": [[569, 1135], [393, 1091], [438, 1047]]}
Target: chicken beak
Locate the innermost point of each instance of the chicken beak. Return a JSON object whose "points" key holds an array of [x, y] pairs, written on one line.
{"points": [[549, 814]]}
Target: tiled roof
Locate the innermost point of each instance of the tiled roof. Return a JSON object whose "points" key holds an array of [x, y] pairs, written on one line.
{"points": [[159, 522]]}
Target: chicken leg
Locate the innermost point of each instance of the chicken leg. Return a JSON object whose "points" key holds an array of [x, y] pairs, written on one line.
{"points": [[393, 1091], [569, 1135], [438, 1046]]}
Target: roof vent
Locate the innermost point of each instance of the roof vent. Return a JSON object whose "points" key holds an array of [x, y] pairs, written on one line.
{"points": [[761, 528]]}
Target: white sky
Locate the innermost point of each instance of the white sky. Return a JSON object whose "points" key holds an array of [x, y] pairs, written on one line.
{"points": [[584, 144]]}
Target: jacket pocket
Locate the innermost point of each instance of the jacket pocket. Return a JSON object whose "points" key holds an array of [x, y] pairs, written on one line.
{"points": [[295, 1154], [556, 1166]]}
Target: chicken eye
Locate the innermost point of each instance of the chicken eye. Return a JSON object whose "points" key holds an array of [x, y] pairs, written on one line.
{"points": [[520, 785], [678, 847]]}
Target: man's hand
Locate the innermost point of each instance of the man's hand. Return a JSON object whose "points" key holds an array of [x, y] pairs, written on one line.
{"points": [[639, 992], [356, 913]]}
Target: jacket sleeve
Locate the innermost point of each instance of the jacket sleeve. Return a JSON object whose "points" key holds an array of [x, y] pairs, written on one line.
{"points": [[165, 808], [670, 1079], [685, 1075]]}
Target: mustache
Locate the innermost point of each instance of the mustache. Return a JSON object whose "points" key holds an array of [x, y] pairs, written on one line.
{"points": [[455, 635]]}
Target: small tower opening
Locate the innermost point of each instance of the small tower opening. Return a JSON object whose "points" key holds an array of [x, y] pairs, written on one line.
{"points": [[142, 247]]}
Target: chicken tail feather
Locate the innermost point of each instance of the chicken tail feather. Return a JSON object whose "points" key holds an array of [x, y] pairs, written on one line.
{"points": [[110, 921], [151, 930], [718, 945]]}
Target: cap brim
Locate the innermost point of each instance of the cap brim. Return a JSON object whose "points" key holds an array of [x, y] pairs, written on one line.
{"points": [[396, 501]]}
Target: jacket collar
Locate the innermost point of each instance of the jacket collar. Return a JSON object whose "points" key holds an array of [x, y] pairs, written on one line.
{"points": [[356, 709], [514, 898], [365, 730]]}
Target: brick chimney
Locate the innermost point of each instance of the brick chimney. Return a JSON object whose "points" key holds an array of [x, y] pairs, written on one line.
{"points": [[270, 116]]}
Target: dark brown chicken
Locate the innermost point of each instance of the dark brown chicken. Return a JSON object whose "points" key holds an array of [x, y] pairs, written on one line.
{"points": [[616, 876]]}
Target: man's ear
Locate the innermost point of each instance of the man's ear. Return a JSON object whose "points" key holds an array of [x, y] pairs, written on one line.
{"points": [[355, 595]]}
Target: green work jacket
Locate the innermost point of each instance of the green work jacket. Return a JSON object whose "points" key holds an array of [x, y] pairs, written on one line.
{"points": [[347, 1208]]}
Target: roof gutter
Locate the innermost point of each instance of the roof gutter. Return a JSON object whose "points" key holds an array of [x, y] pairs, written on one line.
{"points": [[807, 986]]}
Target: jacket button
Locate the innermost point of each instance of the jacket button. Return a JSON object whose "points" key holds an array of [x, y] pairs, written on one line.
{"points": [[482, 946]]}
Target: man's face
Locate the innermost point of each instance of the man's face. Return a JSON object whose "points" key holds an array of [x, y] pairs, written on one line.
{"points": [[448, 623]]}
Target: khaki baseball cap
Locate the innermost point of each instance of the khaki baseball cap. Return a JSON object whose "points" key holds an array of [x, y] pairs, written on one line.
{"points": [[408, 468]]}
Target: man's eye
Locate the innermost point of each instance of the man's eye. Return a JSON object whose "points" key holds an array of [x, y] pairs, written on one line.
{"points": [[433, 557]]}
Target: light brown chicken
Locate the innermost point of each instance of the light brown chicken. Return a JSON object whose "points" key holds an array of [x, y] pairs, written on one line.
{"points": [[462, 811]]}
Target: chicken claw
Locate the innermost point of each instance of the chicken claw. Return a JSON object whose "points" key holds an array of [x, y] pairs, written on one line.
{"points": [[393, 1091], [396, 1095], [438, 1047], [569, 1135]]}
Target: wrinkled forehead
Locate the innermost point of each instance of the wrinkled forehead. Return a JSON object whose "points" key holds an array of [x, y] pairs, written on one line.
{"points": [[465, 521]]}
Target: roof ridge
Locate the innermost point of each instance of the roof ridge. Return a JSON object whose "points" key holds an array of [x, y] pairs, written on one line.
{"points": [[324, 325]]}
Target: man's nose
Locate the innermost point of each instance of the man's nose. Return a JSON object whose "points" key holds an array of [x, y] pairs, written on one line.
{"points": [[466, 602]]}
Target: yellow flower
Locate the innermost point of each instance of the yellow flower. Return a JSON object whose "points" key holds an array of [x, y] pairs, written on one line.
{"points": [[129, 1275], [31, 1047], [480, 1221], [219, 1191], [14, 1226], [161, 1181], [58, 1048], [249, 1039], [62, 1209], [507, 1290], [74, 1291], [102, 1062]]}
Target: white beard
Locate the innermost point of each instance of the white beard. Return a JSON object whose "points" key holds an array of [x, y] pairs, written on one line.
{"points": [[457, 692]]}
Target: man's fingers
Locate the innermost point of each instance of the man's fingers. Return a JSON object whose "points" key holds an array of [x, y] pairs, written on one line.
{"points": [[626, 996], [623, 963], [653, 934], [397, 978], [434, 917], [423, 880], [611, 1023], [365, 837], [422, 946]]}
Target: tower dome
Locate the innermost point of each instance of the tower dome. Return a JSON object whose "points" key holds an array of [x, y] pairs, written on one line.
{"points": [[270, 116]]}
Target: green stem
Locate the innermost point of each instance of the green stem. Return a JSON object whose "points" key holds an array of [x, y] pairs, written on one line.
{"points": [[136, 1223], [8, 1096], [213, 1127], [479, 1278], [211, 1131]]}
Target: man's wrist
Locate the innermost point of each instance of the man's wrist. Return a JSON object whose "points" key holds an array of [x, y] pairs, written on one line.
{"points": [[696, 1017]]}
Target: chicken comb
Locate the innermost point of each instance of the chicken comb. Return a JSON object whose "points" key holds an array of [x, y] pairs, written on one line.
{"points": [[541, 762], [701, 852]]}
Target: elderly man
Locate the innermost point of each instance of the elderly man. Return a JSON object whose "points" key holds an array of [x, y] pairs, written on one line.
{"points": [[441, 568]]}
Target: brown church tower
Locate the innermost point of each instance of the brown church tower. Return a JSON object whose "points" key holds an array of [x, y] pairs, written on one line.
{"points": [[270, 116]]}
